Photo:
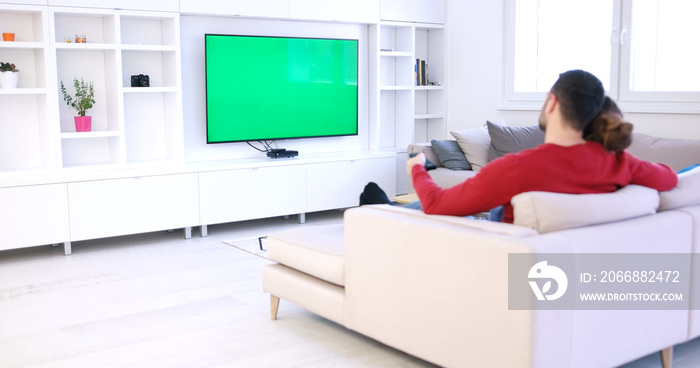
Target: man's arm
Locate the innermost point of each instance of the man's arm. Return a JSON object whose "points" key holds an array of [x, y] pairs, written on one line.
{"points": [[493, 186], [648, 174]]}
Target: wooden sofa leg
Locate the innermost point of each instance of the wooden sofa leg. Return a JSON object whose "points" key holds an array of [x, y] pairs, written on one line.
{"points": [[667, 357], [274, 304]]}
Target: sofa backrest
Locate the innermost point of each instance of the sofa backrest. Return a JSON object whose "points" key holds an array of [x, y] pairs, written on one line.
{"points": [[676, 153], [546, 212]]}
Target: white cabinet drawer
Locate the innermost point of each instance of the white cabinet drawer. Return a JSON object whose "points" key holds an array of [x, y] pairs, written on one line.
{"points": [[361, 11], [33, 215], [236, 195], [339, 184], [422, 11], [257, 8], [106, 208]]}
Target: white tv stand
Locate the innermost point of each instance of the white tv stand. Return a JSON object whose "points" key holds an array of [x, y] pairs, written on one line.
{"points": [[81, 205]]}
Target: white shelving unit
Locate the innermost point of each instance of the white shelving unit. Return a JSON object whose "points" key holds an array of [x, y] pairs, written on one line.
{"points": [[404, 112], [25, 139], [414, 113], [130, 125]]}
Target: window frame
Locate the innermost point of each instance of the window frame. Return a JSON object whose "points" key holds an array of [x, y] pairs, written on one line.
{"points": [[620, 66]]}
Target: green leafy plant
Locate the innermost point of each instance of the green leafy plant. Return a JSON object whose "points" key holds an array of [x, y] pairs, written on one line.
{"points": [[84, 97], [7, 67]]}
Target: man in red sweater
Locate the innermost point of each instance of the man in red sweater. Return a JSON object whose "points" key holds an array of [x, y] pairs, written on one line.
{"points": [[583, 152]]}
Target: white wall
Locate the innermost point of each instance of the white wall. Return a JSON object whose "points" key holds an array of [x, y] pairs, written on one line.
{"points": [[193, 29], [475, 62]]}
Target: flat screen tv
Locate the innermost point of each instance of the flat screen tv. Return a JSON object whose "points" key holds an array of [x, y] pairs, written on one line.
{"points": [[265, 88]]}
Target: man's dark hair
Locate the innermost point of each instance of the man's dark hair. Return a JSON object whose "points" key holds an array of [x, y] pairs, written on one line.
{"points": [[609, 128], [580, 95], [584, 105]]}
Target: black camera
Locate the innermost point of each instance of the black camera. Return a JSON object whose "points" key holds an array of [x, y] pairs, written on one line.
{"points": [[140, 81]]}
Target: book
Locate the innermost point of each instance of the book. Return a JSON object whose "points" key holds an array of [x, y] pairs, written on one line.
{"points": [[421, 72]]}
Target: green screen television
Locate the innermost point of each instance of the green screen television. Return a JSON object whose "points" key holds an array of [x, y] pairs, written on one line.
{"points": [[262, 88]]}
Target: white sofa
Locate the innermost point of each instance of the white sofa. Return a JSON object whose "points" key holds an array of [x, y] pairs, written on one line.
{"points": [[436, 287]]}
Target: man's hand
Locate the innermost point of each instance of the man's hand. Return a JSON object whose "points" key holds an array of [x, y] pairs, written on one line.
{"points": [[419, 159]]}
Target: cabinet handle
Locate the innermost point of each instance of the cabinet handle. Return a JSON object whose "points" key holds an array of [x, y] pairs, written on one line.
{"points": [[623, 33]]}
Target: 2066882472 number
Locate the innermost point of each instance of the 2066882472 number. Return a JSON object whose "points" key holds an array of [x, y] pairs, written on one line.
{"points": [[640, 276]]}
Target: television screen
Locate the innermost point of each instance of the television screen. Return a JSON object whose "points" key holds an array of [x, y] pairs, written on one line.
{"points": [[265, 88]]}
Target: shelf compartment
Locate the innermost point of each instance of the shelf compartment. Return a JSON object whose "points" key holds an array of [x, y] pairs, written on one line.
{"points": [[430, 46], [429, 127], [28, 26], [396, 129], [96, 151], [430, 101], [30, 146], [149, 30], [396, 38], [152, 131], [397, 71], [98, 28], [101, 68], [161, 67], [31, 64]]}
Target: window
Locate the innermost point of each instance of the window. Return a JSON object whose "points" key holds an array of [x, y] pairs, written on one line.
{"points": [[642, 50]]}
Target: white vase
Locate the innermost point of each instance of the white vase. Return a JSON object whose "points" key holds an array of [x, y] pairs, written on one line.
{"points": [[9, 80]]}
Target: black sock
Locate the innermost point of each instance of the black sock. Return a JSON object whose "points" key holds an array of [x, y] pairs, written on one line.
{"points": [[373, 194]]}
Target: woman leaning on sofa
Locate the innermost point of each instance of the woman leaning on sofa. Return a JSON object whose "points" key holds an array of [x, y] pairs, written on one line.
{"points": [[583, 152]]}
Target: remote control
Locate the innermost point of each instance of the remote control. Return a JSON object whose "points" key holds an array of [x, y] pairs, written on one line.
{"points": [[429, 165]]}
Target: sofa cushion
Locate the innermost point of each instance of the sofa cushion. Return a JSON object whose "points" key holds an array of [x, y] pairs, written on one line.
{"points": [[314, 250], [685, 194], [450, 155], [446, 178], [505, 139], [547, 212], [465, 222], [676, 153], [475, 144]]}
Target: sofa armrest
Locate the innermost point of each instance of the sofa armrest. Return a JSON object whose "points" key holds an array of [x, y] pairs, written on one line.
{"points": [[435, 288], [427, 150]]}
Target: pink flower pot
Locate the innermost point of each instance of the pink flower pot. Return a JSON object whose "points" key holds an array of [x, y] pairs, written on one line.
{"points": [[83, 123]]}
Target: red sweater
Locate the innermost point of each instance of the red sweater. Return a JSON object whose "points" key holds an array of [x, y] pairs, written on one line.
{"points": [[578, 169]]}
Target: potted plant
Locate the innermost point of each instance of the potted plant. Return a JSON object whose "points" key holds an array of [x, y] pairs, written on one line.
{"points": [[9, 75], [82, 101]]}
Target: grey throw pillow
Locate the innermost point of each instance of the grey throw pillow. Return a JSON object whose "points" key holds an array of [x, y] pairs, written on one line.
{"points": [[450, 155], [505, 139]]}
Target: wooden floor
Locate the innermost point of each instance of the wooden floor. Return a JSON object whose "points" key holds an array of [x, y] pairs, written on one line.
{"points": [[157, 300]]}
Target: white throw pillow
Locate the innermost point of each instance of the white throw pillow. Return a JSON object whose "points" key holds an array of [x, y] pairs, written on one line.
{"points": [[547, 212], [686, 193], [475, 143]]}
